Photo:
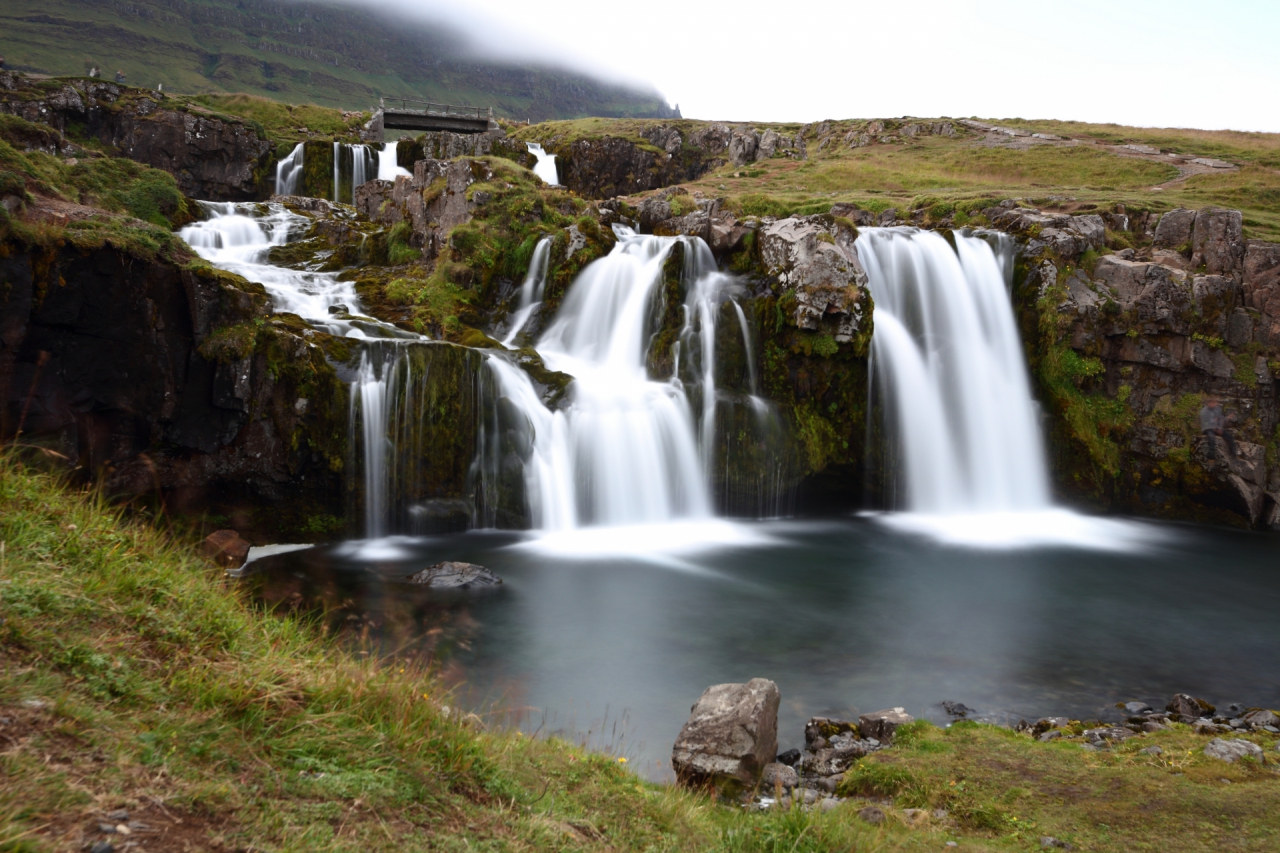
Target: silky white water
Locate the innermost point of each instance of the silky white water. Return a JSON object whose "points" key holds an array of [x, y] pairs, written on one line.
{"points": [[531, 290], [388, 166], [948, 359], [545, 167], [964, 428], [628, 450], [238, 238], [289, 172]]}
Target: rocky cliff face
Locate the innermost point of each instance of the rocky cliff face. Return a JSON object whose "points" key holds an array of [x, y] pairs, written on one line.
{"points": [[164, 377], [210, 158], [1129, 345]]}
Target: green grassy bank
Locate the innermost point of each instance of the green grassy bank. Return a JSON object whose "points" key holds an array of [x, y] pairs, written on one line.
{"points": [[136, 677]]}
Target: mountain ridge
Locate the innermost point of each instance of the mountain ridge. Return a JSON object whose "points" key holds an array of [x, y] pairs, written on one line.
{"points": [[297, 51]]}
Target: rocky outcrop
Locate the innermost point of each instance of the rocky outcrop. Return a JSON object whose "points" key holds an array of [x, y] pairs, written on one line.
{"points": [[730, 737], [445, 145], [1130, 345], [432, 202], [661, 155], [211, 158], [814, 259], [161, 378]]}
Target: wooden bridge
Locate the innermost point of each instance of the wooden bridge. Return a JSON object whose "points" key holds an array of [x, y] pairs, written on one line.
{"points": [[408, 114]]}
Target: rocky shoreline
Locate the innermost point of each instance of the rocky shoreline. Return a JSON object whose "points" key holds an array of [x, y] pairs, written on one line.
{"points": [[729, 744]]}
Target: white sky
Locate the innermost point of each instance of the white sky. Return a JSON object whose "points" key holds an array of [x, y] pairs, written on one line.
{"points": [[1157, 63]]}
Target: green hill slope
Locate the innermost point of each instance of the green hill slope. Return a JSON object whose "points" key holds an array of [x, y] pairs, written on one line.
{"points": [[293, 51]]}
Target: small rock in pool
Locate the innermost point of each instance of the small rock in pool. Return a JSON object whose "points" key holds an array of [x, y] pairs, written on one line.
{"points": [[1137, 709], [1189, 706], [450, 575], [959, 710]]}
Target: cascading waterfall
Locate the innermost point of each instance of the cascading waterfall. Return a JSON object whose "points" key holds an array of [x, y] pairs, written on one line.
{"points": [[949, 363], [239, 238], [628, 449], [289, 172], [389, 167], [531, 290], [354, 165], [545, 167]]}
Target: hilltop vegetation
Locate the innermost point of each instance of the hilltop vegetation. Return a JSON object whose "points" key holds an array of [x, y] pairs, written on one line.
{"points": [[299, 51], [877, 166]]}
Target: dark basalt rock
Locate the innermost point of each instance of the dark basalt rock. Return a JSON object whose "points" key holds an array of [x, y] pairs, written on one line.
{"points": [[157, 378], [1183, 705]]}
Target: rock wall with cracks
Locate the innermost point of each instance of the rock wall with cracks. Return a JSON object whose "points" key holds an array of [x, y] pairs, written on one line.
{"points": [[1127, 344], [175, 381]]}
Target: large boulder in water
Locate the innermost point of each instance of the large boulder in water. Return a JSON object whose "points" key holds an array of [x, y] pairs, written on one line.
{"points": [[730, 737]]}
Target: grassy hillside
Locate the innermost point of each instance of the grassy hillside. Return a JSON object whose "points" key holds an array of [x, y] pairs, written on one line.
{"points": [[1088, 165], [135, 679], [293, 51]]}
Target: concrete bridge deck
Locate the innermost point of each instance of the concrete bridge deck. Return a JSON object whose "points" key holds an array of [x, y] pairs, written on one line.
{"points": [[406, 114]]}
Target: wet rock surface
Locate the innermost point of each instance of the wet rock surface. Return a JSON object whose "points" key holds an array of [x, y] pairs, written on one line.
{"points": [[455, 575], [1188, 315]]}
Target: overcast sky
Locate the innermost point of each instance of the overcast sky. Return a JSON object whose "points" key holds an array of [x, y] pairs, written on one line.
{"points": [[1157, 63]]}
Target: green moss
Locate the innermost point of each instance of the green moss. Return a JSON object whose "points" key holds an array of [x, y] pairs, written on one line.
{"points": [[231, 343], [398, 249]]}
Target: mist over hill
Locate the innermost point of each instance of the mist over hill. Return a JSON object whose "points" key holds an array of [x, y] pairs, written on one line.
{"points": [[297, 51]]}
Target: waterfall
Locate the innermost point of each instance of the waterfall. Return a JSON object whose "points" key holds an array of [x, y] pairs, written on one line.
{"points": [[535, 282], [948, 361], [419, 412], [389, 167], [628, 449], [239, 238], [356, 162], [289, 172], [545, 167]]}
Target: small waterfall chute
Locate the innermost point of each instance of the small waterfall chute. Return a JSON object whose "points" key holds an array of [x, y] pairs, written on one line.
{"points": [[353, 165], [545, 165], [531, 289], [389, 167], [289, 172]]}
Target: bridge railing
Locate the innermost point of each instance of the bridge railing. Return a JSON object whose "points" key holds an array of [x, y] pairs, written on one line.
{"points": [[409, 105]]}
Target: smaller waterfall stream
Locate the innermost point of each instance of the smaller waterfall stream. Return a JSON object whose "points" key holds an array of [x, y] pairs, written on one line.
{"points": [[628, 449], [545, 167], [531, 290], [289, 172], [389, 167]]}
